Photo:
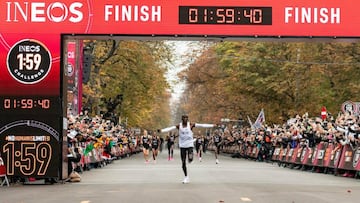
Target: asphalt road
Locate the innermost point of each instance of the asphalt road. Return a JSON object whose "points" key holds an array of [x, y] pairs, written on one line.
{"points": [[130, 180]]}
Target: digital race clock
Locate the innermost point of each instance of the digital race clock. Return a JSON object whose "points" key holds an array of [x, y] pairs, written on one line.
{"points": [[33, 104], [225, 15]]}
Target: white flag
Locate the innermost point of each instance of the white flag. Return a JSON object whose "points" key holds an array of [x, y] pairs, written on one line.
{"points": [[250, 123], [260, 119]]}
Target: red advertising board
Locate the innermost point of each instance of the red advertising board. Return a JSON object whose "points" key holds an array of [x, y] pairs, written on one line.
{"points": [[289, 155], [318, 155], [329, 155], [349, 158], [275, 156], [295, 154]]}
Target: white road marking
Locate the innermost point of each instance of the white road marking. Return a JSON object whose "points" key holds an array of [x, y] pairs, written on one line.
{"points": [[245, 199]]}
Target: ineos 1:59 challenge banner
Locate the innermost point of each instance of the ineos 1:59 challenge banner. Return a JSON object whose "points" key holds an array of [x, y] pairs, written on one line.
{"points": [[31, 124], [30, 110]]}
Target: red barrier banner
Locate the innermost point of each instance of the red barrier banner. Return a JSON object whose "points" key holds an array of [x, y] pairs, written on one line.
{"points": [[282, 156], [335, 156], [310, 156], [347, 160], [289, 155], [306, 155], [295, 154], [275, 156], [318, 155], [298, 155], [329, 147]]}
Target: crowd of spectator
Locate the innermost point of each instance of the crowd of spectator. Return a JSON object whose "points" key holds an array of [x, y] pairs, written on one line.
{"points": [[300, 131], [87, 135], [94, 142]]}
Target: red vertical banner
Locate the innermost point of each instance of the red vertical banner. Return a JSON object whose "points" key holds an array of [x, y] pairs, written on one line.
{"points": [[80, 73], [71, 65], [74, 75], [71, 72]]}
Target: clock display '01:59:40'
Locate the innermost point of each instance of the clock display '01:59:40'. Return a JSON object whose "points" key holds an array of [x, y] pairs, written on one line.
{"points": [[25, 103], [225, 15]]}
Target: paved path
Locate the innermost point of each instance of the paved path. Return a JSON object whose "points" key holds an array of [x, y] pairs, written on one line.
{"points": [[130, 180]]}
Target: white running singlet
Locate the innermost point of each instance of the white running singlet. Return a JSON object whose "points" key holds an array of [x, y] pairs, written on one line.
{"points": [[185, 136]]}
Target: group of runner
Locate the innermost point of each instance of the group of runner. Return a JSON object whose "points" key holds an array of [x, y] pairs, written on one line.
{"points": [[150, 141]]}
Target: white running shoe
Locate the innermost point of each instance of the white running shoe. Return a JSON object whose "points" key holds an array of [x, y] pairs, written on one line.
{"points": [[217, 161], [186, 180], [200, 159]]}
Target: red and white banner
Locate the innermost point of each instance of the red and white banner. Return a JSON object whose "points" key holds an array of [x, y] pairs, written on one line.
{"points": [[260, 17], [46, 20]]}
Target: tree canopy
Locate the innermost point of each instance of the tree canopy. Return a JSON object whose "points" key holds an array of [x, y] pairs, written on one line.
{"points": [[225, 80], [134, 70], [238, 79]]}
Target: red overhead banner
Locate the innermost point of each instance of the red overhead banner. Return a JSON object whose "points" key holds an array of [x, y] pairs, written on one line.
{"points": [[45, 20], [332, 18]]}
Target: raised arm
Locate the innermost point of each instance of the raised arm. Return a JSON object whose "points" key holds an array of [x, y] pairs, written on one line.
{"points": [[203, 125], [168, 129]]}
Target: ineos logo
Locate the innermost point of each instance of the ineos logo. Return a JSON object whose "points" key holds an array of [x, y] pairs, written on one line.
{"points": [[29, 61], [70, 70], [41, 12]]}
